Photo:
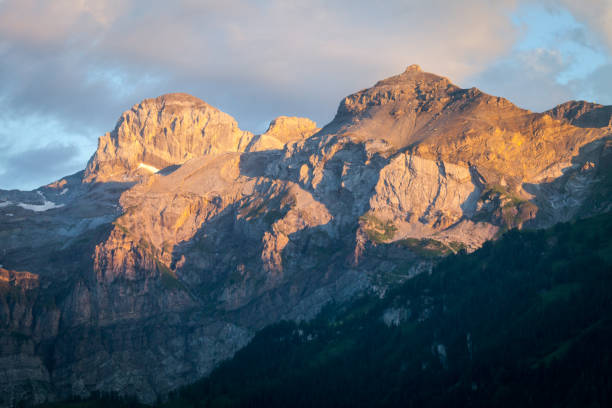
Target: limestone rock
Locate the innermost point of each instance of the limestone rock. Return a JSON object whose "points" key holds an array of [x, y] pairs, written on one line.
{"points": [[283, 130], [161, 132], [583, 114], [287, 129], [422, 196]]}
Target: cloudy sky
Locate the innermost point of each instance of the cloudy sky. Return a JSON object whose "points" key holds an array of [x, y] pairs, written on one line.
{"points": [[70, 67]]}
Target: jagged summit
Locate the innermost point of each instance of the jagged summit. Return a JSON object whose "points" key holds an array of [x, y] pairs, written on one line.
{"points": [[431, 116], [173, 128], [410, 107], [175, 101], [177, 98], [287, 128], [164, 131], [413, 68], [408, 93], [582, 113], [282, 130], [414, 78]]}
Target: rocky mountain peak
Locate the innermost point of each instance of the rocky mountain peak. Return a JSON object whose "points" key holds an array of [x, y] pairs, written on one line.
{"points": [[413, 68], [177, 98], [173, 102], [415, 79], [163, 131], [286, 128], [409, 92], [583, 114], [281, 131], [438, 120]]}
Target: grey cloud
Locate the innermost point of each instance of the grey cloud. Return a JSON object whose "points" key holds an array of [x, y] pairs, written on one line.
{"points": [[596, 87], [527, 79], [596, 14], [25, 169], [61, 87]]}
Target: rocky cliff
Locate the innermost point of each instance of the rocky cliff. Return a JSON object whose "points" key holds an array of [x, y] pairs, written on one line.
{"points": [[185, 234], [160, 132]]}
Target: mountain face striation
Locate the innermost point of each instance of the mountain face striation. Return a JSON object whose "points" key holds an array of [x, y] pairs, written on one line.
{"points": [[185, 234]]}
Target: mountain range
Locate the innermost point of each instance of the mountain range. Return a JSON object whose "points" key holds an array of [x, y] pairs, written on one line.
{"points": [[186, 235]]}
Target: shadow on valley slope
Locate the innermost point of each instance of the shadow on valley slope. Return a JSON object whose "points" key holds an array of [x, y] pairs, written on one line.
{"points": [[584, 188]]}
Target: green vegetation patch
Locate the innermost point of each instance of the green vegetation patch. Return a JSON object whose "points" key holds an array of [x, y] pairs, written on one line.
{"points": [[269, 210], [506, 197], [168, 278], [559, 292], [333, 350], [457, 246], [430, 248], [377, 230], [558, 353]]}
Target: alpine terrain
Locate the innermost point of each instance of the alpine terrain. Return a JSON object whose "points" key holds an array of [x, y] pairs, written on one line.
{"points": [[185, 235]]}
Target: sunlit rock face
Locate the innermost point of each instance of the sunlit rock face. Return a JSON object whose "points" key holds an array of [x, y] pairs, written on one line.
{"points": [[281, 131], [584, 114], [463, 165], [288, 129], [184, 234], [161, 132]]}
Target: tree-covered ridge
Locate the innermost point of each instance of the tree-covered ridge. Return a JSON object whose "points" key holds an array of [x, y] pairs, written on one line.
{"points": [[524, 321]]}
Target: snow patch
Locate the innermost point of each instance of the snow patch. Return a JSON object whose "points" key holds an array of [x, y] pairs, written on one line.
{"points": [[64, 191], [45, 206], [148, 167], [5, 204]]}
